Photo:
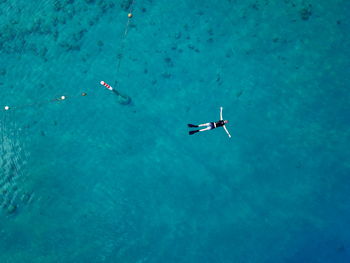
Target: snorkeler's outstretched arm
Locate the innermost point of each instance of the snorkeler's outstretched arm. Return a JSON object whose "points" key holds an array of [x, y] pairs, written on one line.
{"points": [[229, 135]]}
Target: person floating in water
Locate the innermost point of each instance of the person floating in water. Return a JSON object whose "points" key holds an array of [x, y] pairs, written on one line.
{"points": [[210, 125]]}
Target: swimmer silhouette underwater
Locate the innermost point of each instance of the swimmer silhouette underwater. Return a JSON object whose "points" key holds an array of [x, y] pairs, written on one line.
{"points": [[210, 125]]}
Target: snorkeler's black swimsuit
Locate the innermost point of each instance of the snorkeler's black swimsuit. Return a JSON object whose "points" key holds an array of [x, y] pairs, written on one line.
{"points": [[214, 125]]}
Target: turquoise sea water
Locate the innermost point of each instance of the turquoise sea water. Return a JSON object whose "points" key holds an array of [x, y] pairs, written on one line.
{"points": [[88, 179]]}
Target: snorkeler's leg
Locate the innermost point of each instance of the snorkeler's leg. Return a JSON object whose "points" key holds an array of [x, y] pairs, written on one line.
{"points": [[205, 129], [204, 124], [200, 125]]}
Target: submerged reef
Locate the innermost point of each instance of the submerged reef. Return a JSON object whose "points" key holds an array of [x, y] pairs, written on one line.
{"points": [[54, 27], [64, 28]]}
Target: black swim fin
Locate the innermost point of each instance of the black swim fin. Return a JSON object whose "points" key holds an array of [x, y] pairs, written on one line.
{"points": [[192, 125], [192, 132]]}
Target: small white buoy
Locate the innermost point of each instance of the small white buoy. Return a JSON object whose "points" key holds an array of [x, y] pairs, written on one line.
{"points": [[63, 97], [6, 107]]}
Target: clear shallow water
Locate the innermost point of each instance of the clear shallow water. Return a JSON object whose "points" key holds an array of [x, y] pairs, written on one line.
{"points": [[90, 180]]}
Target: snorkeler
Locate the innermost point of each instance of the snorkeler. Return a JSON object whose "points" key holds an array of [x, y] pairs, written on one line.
{"points": [[210, 125]]}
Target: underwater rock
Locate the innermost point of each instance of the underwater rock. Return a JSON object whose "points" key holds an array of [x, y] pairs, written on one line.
{"points": [[11, 208], [35, 27], [178, 35], [125, 4], [55, 21], [166, 75], [191, 46], [25, 197], [7, 33], [42, 52], [57, 6], [103, 7], [168, 61], [69, 47], [305, 13], [55, 35], [239, 93], [100, 43], [79, 35]]}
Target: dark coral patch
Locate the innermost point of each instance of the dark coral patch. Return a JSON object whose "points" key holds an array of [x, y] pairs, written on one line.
{"points": [[306, 12]]}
